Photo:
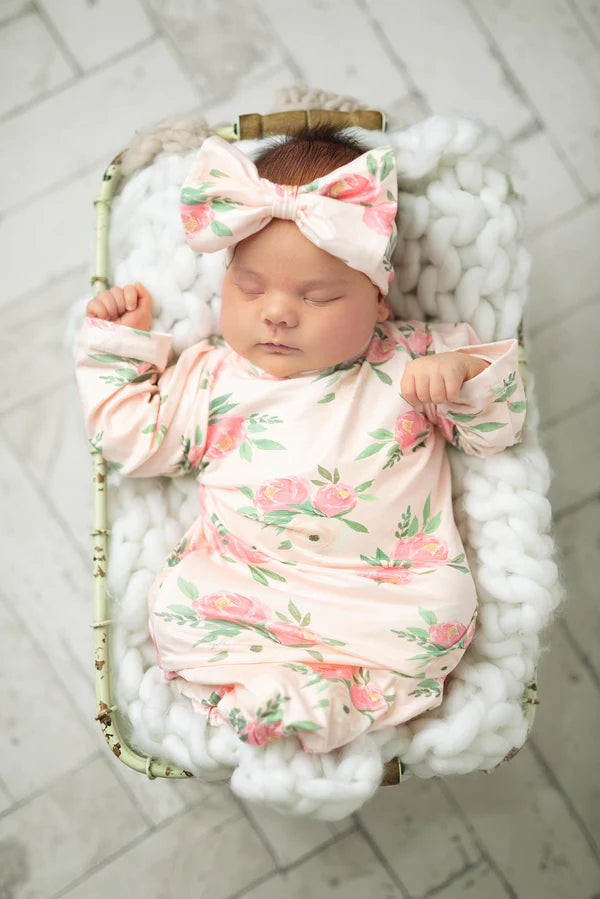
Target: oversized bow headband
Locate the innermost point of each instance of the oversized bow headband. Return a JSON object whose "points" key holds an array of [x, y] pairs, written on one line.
{"points": [[349, 212]]}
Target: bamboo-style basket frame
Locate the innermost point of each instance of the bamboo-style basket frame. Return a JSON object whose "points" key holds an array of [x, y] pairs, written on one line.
{"points": [[246, 127]]}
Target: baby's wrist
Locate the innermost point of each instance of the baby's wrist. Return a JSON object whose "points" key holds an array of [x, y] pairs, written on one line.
{"points": [[475, 365]]}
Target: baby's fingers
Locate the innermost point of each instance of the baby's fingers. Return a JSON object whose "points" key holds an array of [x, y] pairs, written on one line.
{"points": [[130, 295]]}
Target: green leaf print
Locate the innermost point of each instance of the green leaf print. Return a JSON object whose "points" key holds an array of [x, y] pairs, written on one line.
{"points": [[370, 451], [382, 375], [268, 444], [198, 435], [488, 426], [187, 588], [433, 524], [518, 407], [220, 229], [363, 486], [246, 451], [387, 165], [294, 612], [371, 164], [185, 611], [222, 206], [217, 174], [324, 473], [327, 398], [428, 617], [426, 509], [381, 434]]}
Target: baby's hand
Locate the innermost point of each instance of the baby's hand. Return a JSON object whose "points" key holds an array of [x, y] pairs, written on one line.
{"points": [[130, 305], [438, 378]]}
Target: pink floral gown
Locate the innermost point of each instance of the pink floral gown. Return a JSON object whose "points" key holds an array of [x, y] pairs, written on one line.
{"points": [[323, 590]]}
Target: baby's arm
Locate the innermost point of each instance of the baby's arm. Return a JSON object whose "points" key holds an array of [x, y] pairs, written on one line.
{"points": [[145, 418], [473, 392]]}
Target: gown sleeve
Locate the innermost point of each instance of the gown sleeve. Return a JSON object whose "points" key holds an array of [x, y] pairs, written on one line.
{"points": [[488, 414], [146, 419]]}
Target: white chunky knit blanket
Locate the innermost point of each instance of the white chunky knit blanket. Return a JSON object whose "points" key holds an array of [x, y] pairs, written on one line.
{"points": [[459, 258]]}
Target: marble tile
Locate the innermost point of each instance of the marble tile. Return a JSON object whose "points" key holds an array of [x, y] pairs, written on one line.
{"points": [[457, 76], [572, 445], [60, 581], [407, 821], [12, 8], [58, 242], [542, 178], [31, 62], [566, 266], [86, 124], [557, 62], [34, 357], [479, 882], [221, 44], [527, 830], [405, 112], [41, 736], [348, 868], [290, 839], [578, 538], [336, 49], [589, 15], [5, 798], [209, 856], [81, 820], [95, 32], [560, 357], [569, 705], [256, 96]]}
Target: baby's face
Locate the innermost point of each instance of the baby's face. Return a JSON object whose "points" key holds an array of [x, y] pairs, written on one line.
{"points": [[281, 288]]}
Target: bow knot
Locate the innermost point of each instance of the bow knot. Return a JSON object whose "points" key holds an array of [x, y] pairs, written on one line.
{"points": [[349, 212], [285, 202]]}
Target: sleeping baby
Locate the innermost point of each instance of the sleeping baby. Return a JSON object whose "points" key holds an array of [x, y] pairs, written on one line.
{"points": [[323, 590]]}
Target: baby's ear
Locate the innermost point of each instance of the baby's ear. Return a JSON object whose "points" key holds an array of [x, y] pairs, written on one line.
{"points": [[384, 310]]}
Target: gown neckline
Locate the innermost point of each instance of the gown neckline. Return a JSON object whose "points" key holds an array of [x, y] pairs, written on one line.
{"points": [[253, 369]]}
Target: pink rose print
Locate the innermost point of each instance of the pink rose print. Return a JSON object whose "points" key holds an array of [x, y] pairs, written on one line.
{"points": [[195, 456], [367, 697], [391, 575], [143, 367], [334, 498], [258, 733], [196, 218], [242, 551], [450, 632], [355, 188], [408, 427], [445, 426], [419, 342], [281, 493], [232, 607], [380, 218], [332, 671], [380, 350], [421, 550], [224, 436], [292, 634], [214, 538]]}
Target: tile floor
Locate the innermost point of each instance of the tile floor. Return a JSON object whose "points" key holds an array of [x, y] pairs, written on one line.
{"points": [[78, 79]]}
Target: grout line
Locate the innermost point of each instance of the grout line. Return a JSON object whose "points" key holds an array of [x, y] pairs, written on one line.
{"points": [[471, 828], [532, 331], [521, 91], [172, 47], [555, 783], [579, 652], [49, 785], [577, 506], [414, 92], [286, 56], [452, 879], [59, 40], [132, 844], [562, 219], [15, 16], [59, 89], [585, 25], [378, 853]]}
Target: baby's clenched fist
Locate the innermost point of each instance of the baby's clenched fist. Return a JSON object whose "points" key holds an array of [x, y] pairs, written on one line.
{"points": [[438, 378], [130, 305]]}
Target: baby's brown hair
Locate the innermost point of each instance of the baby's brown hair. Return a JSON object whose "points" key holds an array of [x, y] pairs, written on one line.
{"points": [[300, 157]]}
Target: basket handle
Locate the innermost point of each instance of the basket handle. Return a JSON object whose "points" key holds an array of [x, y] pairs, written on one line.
{"points": [[253, 125]]}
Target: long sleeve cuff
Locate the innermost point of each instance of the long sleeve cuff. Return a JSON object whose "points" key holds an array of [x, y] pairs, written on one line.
{"points": [[120, 340], [503, 357]]}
